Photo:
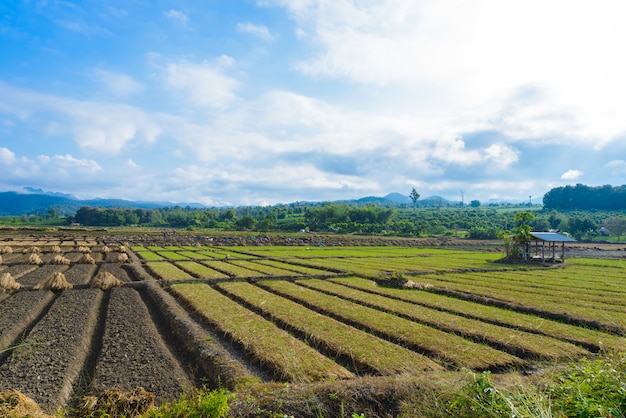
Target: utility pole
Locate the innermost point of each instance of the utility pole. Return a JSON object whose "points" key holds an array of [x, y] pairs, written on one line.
{"points": [[462, 198]]}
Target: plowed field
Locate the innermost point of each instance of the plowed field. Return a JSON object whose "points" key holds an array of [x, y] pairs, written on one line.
{"points": [[198, 312]]}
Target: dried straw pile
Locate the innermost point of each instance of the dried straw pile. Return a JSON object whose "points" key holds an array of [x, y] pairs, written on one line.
{"points": [[15, 404], [55, 249], [6, 250], [86, 259], [34, 259], [83, 249], [55, 282], [32, 250], [106, 249], [60, 260], [105, 280], [8, 283], [122, 258], [117, 403]]}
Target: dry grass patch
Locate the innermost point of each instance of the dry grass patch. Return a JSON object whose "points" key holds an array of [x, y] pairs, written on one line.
{"points": [[55, 282], [105, 280], [14, 403], [8, 283], [117, 403], [60, 260]]}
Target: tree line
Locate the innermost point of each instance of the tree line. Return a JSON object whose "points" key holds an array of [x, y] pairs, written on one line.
{"points": [[582, 197]]}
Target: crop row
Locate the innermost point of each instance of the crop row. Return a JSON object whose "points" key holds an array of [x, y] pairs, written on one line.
{"points": [[583, 336], [559, 304], [290, 358]]}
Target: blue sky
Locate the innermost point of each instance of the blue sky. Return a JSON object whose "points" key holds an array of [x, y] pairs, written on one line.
{"points": [[229, 102]]}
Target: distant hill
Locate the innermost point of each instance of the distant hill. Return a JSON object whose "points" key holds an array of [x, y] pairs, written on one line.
{"points": [[37, 202], [32, 201]]}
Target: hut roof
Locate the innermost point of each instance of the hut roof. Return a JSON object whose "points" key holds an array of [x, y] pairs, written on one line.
{"points": [[551, 237]]}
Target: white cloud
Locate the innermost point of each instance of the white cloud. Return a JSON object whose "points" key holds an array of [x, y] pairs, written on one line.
{"points": [[7, 157], [501, 155], [118, 84], [260, 31], [98, 128], [617, 167], [64, 162], [177, 16], [202, 84], [572, 175]]}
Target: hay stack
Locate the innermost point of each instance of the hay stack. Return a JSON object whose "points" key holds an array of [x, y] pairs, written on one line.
{"points": [[122, 249], [83, 249], [105, 280], [106, 249], [60, 260], [8, 283], [86, 259], [15, 404], [55, 249], [117, 403], [34, 259], [6, 250], [55, 282], [122, 258], [0, 259], [32, 250]]}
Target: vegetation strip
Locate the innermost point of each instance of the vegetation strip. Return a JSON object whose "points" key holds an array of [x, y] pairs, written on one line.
{"points": [[589, 338], [435, 343], [289, 358], [360, 348], [546, 306], [518, 343], [217, 364]]}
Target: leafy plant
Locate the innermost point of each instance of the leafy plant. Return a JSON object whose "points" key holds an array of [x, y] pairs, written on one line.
{"points": [[196, 404]]}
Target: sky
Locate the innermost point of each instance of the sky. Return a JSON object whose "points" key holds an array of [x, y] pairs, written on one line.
{"points": [[243, 102]]}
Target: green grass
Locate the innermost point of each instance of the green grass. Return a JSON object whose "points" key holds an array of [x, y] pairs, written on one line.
{"points": [[199, 270], [520, 343], [439, 345], [290, 358], [167, 271], [358, 346]]}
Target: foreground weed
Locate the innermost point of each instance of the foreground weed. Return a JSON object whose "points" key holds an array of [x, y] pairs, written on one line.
{"points": [[201, 403], [480, 398], [592, 388]]}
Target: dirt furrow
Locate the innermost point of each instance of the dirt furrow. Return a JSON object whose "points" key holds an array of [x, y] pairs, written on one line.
{"points": [[50, 360], [18, 312], [133, 354]]}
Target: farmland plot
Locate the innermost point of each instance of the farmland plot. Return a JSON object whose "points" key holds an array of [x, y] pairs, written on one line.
{"points": [[290, 314]]}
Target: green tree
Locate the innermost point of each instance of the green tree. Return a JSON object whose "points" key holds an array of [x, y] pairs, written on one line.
{"points": [[616, 225], [414, 196]]}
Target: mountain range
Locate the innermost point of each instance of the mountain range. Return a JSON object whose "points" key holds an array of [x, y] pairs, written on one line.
{"points": [[32, 201]]}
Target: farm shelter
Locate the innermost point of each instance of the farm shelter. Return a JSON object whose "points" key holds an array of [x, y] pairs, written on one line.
{"points": [[552, 239]]}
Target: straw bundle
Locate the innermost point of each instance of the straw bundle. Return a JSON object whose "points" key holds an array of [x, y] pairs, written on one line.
{"points": [[86, 259], [122, 258], [59, 259], [118, 403], [8, 283], [106, 249], [55, 282], [83, 249], [6, 250], [32, 250], [55, 249], [15, 404], [105, 280], [34, 259]]}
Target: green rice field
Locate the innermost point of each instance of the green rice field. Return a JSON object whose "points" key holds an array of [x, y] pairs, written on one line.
{"points": [[341, 312]]}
